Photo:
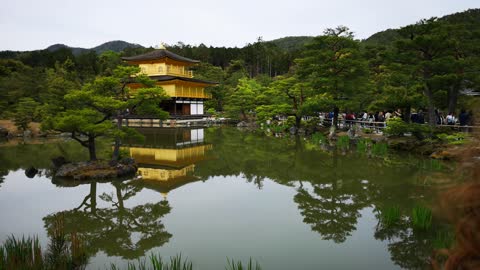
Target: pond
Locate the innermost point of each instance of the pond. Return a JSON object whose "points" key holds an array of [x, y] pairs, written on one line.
{"points": [[218, 193]]}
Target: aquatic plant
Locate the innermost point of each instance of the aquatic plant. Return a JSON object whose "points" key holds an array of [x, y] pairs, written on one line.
{"points": [[24, 253], [232, 265], [390, 215], [343, 141], [362, 145], [156, 263], [318, 138], [443, 239], [379, 149], [421, 217]]}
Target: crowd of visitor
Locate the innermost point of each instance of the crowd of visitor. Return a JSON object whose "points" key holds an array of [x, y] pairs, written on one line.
{"points": [[380, 118]]}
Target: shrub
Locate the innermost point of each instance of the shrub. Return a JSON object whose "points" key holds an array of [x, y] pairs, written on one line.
{"points": [[398, 127]]}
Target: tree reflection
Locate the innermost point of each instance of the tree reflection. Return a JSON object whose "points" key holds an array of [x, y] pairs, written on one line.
{"points": [[409, 249], [117, 230]]}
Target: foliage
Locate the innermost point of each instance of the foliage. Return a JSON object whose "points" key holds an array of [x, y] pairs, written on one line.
{"points": [[232, 265], [379, 149], [156, 263], [318, 138], [25, 113], [398, 127], [343, 142], [421, 217], [455, 138], [90, 111], [62, 253], [390, 215]]}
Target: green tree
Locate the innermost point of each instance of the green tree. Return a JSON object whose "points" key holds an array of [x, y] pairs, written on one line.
{"points": [[243, 101], [90, 111], [333, 64], [24, 113]]}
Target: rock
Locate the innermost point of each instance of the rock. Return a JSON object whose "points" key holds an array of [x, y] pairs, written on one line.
{"points": [[59, 162], [27, 133], [31, 172], [293, 130], [96, 170], [127, 161], [3, 132], [442, 154], [242, 124]]}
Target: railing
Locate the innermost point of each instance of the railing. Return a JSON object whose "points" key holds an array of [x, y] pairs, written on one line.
{"points": [[191, 93], [175, 70], [378, 126]]}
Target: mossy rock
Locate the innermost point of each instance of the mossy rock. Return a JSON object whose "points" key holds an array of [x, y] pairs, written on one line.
{"points": [[97, 170]]}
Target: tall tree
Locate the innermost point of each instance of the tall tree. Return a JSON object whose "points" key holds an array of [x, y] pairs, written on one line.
{"points": [[333, 64]]}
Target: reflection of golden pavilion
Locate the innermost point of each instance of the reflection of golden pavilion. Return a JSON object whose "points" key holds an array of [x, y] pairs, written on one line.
{"points": [[168, 157]]}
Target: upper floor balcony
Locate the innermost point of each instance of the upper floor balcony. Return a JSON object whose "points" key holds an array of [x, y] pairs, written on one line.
{"points": [[164, 69]]}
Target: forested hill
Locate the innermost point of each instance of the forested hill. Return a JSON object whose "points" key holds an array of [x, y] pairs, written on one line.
{"points": [[470, 17], [291, 43], [116, 46]]}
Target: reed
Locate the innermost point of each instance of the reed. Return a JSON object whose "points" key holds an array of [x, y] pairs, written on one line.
{"points": [[237, 265], [443, 239], [343, 141], [379, 149], [421, 218], [390, 215], [156, 262], [362, 145], [318, 138], [24, 253]]}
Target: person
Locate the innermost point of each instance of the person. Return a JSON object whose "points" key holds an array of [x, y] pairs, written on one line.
{"points": [[398, 113], [451, 119], [388, 115], [420, 117], [463, 118]]}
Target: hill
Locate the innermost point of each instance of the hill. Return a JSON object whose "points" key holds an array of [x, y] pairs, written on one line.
{"points": [[470, 17], [116, 46], [291, 43]]}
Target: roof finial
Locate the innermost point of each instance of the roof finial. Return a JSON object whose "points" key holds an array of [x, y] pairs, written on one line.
{"points": [[160, 46]]}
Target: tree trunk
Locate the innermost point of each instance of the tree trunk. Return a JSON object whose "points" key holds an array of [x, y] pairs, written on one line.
{"points": [[93, 198], [335, 117], [91, 148], [407, 113], [431, 107], [298, 123], [452, 98], [118, 142]]}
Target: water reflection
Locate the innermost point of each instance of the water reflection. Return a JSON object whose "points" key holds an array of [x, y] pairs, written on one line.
{"points": [[168, 156], [330, 188], [116, 230]]}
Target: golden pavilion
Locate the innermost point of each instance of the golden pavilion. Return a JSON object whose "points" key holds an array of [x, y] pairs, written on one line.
{"points": [[172, 72]]}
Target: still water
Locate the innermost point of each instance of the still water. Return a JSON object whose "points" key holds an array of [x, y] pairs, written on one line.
{"points": [[218, 193]]}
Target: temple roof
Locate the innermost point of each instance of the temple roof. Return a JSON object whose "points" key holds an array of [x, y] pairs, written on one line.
{"points": [[159, 54], [165, 78]]}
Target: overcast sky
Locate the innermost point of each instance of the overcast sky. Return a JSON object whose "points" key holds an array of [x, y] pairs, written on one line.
{"points": [[36, 24]]}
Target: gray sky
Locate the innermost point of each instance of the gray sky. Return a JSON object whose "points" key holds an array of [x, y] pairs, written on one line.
{"points": [[36, 24]]}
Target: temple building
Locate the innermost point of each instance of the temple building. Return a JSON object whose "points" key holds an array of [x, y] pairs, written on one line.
{"points": [[172, 72]]}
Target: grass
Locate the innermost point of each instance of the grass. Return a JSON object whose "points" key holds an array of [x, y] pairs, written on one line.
{"points": [[421, 218], [237, 265], [379, 149], [363, 144], [318, 138], [156, 263], [26, 253], [343, 141], [443, 239], [390, 215]]}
